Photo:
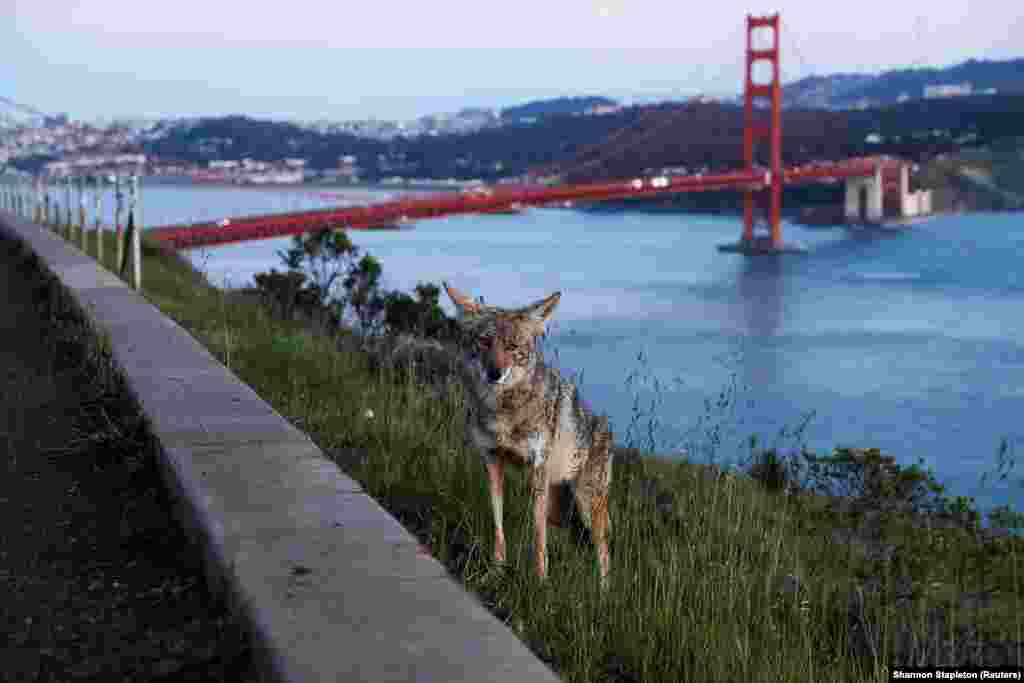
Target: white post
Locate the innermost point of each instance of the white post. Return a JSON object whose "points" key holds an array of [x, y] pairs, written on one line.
{"points": [[136, 234], [99, 220], [83, 186], [40, 194], [67, 203], [46, 205], [118, 206]]}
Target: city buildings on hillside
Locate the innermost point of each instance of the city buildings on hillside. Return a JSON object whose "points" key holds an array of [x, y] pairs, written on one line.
{"points": [[947, 90]]}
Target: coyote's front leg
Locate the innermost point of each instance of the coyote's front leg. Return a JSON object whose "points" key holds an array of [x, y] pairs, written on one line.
{"points": [[496, 475], [539, 492]]}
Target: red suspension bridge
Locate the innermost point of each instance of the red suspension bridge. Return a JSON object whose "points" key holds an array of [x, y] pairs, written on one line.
{"points": [[750, 180]]}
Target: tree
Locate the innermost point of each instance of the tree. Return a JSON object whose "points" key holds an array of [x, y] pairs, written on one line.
{"points": [[323, 256], [421, 316], [362, 287], [280, 290]]}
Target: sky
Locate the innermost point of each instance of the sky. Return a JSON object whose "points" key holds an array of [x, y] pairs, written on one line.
{"points": [[343, 60]]}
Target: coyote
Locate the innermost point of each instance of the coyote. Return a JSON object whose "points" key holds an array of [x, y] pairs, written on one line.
{"points": [[524, 413]]}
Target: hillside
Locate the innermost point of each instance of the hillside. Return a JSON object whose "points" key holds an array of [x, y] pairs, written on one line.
{"points": [[553, 107], [704, 136], [844, 90], [710, 135], [823, 91], [489, 153]]}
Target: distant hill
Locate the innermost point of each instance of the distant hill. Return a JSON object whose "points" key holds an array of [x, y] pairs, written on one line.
{"points": [[844, 90], [489, 153], [558, 106], [235, 137], [821, 92], [702, 136], [709, 136]]}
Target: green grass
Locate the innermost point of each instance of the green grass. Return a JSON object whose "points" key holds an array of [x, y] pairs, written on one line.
{"points": [[719, 578]]}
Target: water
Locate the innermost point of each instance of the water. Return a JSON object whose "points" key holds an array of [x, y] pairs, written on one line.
{"points": [[909, 342]]}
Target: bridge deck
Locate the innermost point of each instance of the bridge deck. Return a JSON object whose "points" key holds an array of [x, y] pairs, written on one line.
{"points": [[488, 200]]}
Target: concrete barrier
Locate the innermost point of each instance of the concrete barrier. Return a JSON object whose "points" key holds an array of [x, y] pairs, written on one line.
{"points": [[331, 586]]}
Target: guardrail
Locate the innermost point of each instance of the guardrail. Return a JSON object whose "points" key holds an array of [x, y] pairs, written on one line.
{"points": [[34, 201]]}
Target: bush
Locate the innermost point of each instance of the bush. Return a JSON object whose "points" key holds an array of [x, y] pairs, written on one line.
{"points": [[420, 316]]}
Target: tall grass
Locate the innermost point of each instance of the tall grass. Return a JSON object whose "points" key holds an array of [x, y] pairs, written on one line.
{"points": [[716, 576]]}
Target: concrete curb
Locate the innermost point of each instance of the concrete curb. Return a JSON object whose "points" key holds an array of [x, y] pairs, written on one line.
{"points": [[331, 586]]}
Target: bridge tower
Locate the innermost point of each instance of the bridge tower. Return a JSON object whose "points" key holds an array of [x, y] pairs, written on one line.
{"points": [[756, 130]]}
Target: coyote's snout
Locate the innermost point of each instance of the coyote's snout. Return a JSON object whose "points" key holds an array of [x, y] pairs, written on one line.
{"points": [[523, 412]]}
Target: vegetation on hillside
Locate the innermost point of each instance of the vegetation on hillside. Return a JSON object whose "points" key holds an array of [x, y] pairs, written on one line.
{"points": [[490, 153], [710, 136], [841, 90], [553, 107]]}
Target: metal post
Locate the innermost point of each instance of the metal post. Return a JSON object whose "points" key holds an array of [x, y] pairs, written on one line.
{"points": [[67, 205], [37, 199], [99, 220], [132, 230], [73, 185], [118, 205], [46, 206], [137, 234], [83, 186]]}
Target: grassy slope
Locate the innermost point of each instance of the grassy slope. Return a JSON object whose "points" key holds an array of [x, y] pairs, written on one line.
{"points": [[714, 577]]}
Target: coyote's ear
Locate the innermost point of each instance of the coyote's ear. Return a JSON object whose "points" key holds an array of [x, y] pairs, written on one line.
{"points": [[461, 301], [543, 309]]}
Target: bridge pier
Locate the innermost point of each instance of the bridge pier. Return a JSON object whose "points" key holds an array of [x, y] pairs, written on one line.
{"points": [[864, 198]]}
